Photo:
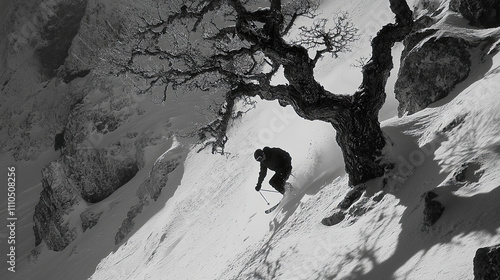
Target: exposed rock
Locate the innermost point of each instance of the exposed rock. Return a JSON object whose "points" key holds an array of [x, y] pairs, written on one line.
{"points": [[334, 219], [59, 141], [352, 196], [58, 198], [151, 188], [429, 7], [158, 177], [481, 13], [128, 224], [100, 172], [379, 196], [58, 35], [430, 71], [89, 219], [49, 44], [487, 263], [90, 175], [432, 211], [423, 22], [43, 39], [469, 172], [412, 40]]}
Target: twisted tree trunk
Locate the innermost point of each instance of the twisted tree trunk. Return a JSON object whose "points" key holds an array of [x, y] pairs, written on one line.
{"points": [[355, 118]]}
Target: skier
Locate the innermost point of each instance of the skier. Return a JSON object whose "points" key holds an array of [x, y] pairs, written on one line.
{"points": [[277, 160]]}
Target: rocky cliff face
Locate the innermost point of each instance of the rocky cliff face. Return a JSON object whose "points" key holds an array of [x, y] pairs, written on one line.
{"points": [[56, 95], [58, 34], [57, 200], [48, 63]]}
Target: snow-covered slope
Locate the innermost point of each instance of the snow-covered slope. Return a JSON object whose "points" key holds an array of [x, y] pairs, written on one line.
{"points": [[223, 234], [209, 222]]}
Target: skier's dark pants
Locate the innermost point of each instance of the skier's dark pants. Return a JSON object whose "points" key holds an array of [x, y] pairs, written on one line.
{"points": [[279, 179]]}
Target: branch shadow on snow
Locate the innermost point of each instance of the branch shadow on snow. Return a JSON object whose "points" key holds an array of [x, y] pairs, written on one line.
{"points": [[462, 215], [321, 180], [413, 243], [270, 269]]}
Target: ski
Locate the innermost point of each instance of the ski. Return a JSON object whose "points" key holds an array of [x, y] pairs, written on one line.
{"points": [[272, 208], [290, 192]]}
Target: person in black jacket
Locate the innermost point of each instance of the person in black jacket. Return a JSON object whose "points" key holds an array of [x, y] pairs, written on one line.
{"points": [[276, 160]]}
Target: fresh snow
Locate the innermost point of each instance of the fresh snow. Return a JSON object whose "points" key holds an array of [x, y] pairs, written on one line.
{"points": [[209, 222]]}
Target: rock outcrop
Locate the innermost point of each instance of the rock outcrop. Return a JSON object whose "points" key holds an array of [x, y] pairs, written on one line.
{"points": [[430, 69], [58, 34], [432, 211], [87, 177], [337, 217], [49, 59], [152, 187], [89, 219], [93, 163], [480, 13], [99, 173], [435, 60], [57, 200], [487, 263]]}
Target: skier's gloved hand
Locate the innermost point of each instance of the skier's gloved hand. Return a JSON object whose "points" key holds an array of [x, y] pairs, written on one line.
{"points": [[257, 188]]}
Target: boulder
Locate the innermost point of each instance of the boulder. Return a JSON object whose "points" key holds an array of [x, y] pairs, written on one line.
{"points": [[334, 219], [430, 69], [352, 196], [480, 13], [487, 263], [432, 211], [468, 172]]}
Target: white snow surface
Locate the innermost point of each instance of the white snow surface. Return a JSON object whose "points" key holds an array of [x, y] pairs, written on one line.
{"points": [[209, 222]]}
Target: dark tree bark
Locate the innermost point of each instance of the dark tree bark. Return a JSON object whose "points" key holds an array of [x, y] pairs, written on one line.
{"points": [[354, 118]]}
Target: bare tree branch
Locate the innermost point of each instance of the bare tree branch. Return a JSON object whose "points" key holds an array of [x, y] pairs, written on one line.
{"points": [[333, 40], [238, 47]]}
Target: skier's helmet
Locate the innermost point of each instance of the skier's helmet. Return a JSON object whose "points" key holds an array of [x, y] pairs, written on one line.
{"points": [[258, 155]]}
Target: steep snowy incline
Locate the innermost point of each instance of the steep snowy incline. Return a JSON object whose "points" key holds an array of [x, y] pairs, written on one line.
{"points": [[215, 213], [213, 229], [209, 222]]}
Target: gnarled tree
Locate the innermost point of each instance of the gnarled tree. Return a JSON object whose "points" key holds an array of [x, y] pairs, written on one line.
{"points": [[237, 46]]}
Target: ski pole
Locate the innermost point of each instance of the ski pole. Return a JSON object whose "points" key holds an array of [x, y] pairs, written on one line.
{"points": [[269, 191], [264, 198]]}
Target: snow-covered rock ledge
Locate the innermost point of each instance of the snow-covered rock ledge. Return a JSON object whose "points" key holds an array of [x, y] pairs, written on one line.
{"points": [[437, 58], [152, 187]]}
